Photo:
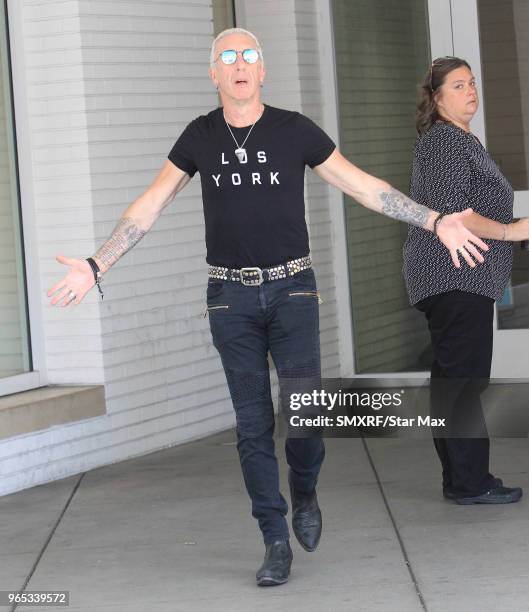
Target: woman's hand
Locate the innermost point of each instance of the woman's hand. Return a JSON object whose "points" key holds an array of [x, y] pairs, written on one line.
{"points": [[452, 232], [518, 231], [75, 285]]}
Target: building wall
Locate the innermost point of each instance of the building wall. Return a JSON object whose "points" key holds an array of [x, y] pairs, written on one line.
{"points": [[56, 112], [110, 87]]}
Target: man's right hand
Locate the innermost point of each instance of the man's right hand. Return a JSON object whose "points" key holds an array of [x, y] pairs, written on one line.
{"points": [[135, 222], [77, 282]]}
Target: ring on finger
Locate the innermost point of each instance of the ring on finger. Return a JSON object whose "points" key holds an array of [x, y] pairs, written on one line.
{"points": [[71, 296]]}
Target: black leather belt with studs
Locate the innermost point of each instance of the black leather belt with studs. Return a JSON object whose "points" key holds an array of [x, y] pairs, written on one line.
{"points": [[258, 276]]}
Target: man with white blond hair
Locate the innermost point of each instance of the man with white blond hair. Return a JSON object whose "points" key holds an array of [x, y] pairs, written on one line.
{"points": [[261, 294]]}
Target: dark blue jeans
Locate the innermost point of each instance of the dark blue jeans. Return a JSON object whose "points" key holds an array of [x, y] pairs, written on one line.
{"points": [[247, 323]]}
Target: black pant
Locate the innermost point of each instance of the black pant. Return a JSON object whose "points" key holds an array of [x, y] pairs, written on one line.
{"points": [[247, 323], [460, 326]]}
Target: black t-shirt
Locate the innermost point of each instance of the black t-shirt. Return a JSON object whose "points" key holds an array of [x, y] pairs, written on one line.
{"points": [[254, 211]]}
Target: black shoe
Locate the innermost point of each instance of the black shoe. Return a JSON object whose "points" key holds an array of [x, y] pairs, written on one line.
{"points": [[449, 494], [496, 495], [276, 565], [306, 517]]}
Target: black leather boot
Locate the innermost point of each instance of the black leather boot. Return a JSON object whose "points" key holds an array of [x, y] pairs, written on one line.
{"points": [[306, 517], [276, 565]]}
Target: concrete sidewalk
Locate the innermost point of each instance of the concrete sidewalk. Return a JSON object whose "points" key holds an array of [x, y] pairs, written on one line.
{"points": [[172, 531]]}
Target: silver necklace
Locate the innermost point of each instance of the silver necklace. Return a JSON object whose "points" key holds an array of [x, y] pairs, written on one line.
{"points": [[240, 151]]}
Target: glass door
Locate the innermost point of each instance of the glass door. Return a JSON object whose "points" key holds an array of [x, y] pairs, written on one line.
{"points": [[21, 352], [493, 35], [381, 52], [15, 353]]}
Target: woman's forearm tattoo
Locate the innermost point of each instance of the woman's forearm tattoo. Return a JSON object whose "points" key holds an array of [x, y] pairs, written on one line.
{"points": [[124, 236], [398, 206]]}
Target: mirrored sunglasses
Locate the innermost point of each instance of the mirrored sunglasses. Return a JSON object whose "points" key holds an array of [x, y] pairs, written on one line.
{"points": [[250, 56]]}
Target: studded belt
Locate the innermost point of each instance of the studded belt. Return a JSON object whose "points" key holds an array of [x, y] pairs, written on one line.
{"points": [[258, 276]]}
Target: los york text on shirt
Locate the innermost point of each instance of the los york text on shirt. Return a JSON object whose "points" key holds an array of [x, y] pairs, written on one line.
{"points": [[256, 178]]}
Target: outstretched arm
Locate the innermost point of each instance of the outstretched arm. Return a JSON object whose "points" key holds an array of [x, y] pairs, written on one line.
{"points": [[380, 196], [487, 228], [135, 222]]}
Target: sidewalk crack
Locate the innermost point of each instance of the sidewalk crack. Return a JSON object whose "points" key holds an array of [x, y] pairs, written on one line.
{"points": [[48, 540], [395, 528]]}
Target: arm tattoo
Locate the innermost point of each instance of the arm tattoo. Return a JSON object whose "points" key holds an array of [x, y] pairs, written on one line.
{"points": [[124, 236], [398, 206]]}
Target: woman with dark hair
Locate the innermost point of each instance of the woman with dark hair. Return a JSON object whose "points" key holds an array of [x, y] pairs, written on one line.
{"points": [[453, 172]]}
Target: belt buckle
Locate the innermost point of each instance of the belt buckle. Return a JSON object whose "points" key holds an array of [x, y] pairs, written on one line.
{"points": [[250, 283]]}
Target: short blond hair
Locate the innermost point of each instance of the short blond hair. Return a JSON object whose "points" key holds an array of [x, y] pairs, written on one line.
{"points": [[234, 31]]}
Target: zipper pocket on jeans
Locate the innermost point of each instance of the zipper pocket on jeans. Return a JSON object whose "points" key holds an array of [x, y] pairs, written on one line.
{"points": [[208, 308], [308, 293]]}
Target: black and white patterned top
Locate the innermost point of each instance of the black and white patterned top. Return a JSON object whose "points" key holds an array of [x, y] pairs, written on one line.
{"points": [[453, 171]]}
